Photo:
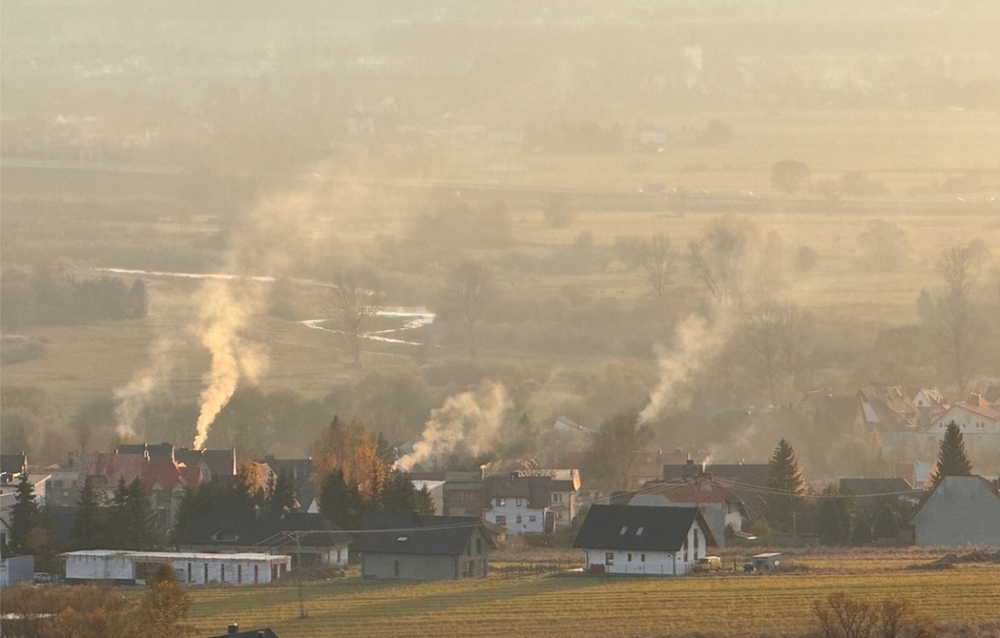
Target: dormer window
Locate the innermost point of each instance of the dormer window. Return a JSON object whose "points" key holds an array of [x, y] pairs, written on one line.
{"points": [[402, 539], [624, 530], [639, 531]]}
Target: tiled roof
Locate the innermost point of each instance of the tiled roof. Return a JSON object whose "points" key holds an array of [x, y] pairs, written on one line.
{"points": [[412, 533], [113, 467], [235, 525], [533, 488], [636, 527]]}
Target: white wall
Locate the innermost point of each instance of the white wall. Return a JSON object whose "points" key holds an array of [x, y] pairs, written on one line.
{"points": [[650, 562], [511, 510], [193, 570]]}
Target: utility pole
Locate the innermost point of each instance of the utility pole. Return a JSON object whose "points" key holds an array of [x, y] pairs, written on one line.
{"points": [[298, 574]]}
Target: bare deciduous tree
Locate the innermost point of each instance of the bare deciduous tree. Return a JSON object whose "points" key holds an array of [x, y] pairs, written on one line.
{"points": [[657, 258], [355, 298], [467, 295], [775, 338]]}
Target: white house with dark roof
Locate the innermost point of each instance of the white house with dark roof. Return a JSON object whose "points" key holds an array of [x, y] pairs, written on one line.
{"points": [[644, 540], [520, 504], [564, 494]]}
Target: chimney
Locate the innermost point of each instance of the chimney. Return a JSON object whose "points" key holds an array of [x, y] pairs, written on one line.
{"points": [[233, 629]]}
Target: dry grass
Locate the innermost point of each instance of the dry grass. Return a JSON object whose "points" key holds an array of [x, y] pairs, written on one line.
{"points": [[583, 605]]}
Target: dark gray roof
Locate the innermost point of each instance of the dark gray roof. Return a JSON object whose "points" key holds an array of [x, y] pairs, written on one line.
{"points": [[219, 462], [13, 463], [412, 533], [301, 472], [535, 489], [235, 525], [252, 633], [638, 527], [875, 486]]}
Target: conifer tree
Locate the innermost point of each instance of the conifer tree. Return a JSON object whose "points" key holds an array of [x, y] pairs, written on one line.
{"points": [[282, 496], [833, 518], [952, 458], [132, 519], [786, 483], [24, 518], [88, 530]]}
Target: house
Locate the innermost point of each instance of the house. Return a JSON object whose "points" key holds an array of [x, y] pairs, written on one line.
{"points": [[974, 416], [211, 464], [634, 539], [134, 568], [564, 488], [301, 472], [520, 504], [411, 546], [723, 510], [464, 493], [748, 482], [962, 510], [12, 466], [885, 407], [309, 538]]}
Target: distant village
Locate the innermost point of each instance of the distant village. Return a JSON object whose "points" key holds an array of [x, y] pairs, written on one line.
{"points": [[216, 518]]}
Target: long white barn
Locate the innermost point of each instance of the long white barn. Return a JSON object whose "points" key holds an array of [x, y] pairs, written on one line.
{"points": [[128, 567]]}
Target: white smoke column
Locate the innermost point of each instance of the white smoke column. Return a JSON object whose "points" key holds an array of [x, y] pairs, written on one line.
{"points": [[696, 343], [471, 419], [131, 398]]}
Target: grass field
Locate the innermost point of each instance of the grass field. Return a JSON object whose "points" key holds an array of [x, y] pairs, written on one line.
{"points": [[582, 605]]}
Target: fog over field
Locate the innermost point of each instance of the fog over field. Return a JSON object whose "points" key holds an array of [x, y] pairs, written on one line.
{"points": [[455, 222]]}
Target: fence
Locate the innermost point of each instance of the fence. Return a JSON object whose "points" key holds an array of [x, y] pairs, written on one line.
{"points": [[523, 569]]}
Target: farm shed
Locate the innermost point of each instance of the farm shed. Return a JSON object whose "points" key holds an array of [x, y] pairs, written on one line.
{"points": [[639, 539], [767, 562], [130, 568], [410, 546]]}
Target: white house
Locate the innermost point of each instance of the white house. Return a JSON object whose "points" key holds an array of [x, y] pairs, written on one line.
{"points": [[520, 504], [564, 494], [128, 568], [643, 540]]}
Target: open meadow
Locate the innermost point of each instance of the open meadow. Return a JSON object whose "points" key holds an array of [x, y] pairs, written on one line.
{"points": [[576, 604]]}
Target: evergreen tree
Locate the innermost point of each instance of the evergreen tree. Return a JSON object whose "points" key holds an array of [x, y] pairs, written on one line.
{"points": [[400, 495], [785, 479], [24, 518], [88, 529], [885, 523], [952, 458], [132, 519], [861, 530], [282, 497], [833, 518], [340, 502]]}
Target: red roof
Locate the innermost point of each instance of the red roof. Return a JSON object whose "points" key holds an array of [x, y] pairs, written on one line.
{"points": [[113, 467]]}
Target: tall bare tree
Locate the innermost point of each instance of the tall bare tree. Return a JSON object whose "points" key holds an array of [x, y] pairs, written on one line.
{"points": [[613, 449], [657, 258], [355, 298], [467, 295], [775, 338], [722, 259]]}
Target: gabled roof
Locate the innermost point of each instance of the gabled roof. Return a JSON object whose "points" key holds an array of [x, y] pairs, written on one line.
{"points": [[562, 480], [892, 405], [977, 405], [957, 483], [236, 525], [696, 491], [113, 467], [412, 533], [13, 463], [534, 489], [875, 486], [218, 462], [638, 527]]}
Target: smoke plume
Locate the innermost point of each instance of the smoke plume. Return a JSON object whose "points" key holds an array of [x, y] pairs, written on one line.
{"points": [[468, 421], [131, 398], [696, 342]]}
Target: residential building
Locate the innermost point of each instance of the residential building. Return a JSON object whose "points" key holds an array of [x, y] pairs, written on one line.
{"points": [[747, 482], [411, 546], [564, 488], [723, 510], [962, 510], [520, 504], [634, 539]]}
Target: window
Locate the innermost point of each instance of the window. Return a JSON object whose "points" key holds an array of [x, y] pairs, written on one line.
{"points": [[642, 558], [479, 546], [256, 573], [189, 573], [206, 573], [395, 569], [685, 549], [638, 532], [239, 574], [517, 502], [623, 530], [518, 520], [222, 572], [630, 557], [501, 520], [609, 558], [501, 502], [556, 497], [696, 544]]}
